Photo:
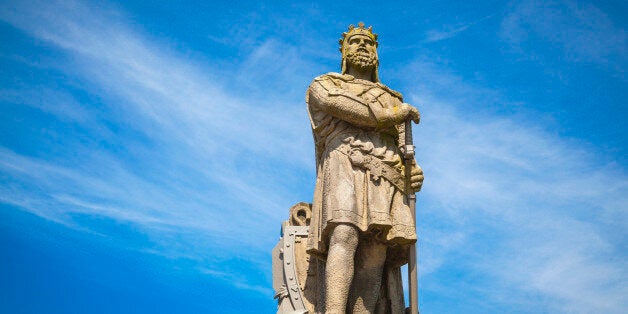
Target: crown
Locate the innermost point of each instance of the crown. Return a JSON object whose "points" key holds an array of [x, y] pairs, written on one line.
{"points": [[355, 31]]}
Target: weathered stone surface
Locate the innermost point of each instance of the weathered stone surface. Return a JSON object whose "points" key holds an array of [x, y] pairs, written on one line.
{"points": [[361, 220]]}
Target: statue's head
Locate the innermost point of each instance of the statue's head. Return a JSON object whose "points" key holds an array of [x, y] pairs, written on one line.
{"points": [[359, 49]]}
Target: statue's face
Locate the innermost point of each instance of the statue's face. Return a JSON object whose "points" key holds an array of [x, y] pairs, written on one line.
{"points": [[361, 42], [361, 52]]}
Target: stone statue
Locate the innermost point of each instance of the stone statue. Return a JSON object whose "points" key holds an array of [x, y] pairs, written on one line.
{"points": [[360, 222]]}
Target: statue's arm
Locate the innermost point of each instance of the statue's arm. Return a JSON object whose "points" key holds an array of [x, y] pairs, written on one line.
{"points": [[342, 104]]}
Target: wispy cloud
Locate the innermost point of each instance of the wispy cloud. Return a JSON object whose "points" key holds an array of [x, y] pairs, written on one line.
{"points": [[208, 150], [446, 33], [584, 32], [236, 280], [450, 31]]}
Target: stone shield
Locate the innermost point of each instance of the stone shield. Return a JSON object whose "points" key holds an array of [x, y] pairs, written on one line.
{"points": [[294, 271]]}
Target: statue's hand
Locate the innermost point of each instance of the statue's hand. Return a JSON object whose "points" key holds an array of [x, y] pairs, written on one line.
{"points": [[407, 111], [416, 177]]}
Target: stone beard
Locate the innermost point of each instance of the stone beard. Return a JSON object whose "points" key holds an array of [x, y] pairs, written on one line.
{"points": [[362, 59]]}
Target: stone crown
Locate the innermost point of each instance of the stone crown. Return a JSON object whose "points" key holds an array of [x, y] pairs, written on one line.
{"points": [[360, 30]]}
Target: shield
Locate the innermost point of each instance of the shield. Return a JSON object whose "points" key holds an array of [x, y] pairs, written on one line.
{"points": [[294, 271]]}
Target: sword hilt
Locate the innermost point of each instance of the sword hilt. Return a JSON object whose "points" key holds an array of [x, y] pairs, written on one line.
{"points": [[408, 147]]}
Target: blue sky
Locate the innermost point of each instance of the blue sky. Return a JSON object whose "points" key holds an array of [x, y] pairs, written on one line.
{"points": [[150, 150]]}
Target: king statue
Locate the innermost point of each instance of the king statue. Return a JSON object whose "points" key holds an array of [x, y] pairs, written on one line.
{"points": [[361, 223]]}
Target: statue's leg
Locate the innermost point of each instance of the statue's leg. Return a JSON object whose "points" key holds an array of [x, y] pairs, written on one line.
{"points": [[339, 268], [369, 269]]}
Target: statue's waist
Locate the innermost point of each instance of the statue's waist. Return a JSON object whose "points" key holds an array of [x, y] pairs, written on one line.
{"points": [[380, 145], [380, 162]]}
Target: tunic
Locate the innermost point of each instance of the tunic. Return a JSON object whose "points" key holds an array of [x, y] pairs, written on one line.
{"points": [[359, 167]]}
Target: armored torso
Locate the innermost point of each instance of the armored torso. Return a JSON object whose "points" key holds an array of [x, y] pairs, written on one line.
{"points": [[360, 171]]}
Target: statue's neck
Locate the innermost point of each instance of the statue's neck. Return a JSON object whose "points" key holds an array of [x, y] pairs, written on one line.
{"points": [[364, 74]]}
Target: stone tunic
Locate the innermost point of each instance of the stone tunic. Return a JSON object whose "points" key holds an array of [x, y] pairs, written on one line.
{"points": [[352, 122]]}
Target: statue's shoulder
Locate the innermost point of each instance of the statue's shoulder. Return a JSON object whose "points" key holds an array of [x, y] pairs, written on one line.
{"points": [[334, 77], [391, 91]]}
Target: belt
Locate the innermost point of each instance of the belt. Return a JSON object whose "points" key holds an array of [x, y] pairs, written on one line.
{"points": [[376, 167]]}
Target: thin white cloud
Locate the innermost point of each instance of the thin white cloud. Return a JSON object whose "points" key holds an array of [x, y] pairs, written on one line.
{"points": [[583, 31], [435, 35], [236, 280], [211, 150], [450, 31]]}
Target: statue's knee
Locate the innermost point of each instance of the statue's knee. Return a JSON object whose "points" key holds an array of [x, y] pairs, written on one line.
{"points": [[345, 235]]}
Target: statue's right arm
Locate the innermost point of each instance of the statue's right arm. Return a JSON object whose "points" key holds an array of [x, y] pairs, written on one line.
{"points": [[326, 96]]}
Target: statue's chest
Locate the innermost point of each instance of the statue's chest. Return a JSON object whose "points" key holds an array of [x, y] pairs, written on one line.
{"points": [[356, 88], [372, 94]]}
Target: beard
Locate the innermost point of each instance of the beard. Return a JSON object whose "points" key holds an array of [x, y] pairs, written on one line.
{"points": [[362, 60]]}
